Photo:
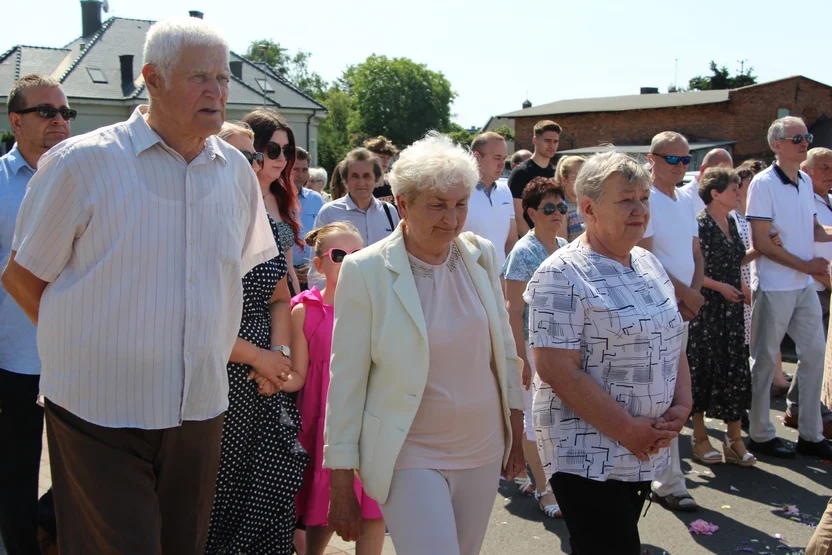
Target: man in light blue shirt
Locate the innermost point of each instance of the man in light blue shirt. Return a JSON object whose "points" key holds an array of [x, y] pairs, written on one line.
{"points": [[310, 204], [39, 115]]}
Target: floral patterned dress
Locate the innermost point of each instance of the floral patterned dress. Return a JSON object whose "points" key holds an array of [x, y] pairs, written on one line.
{"points": [[719, 369]]}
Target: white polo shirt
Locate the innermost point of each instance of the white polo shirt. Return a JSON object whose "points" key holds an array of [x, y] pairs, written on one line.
{"points": [[790, 207], [823, 210], [673, 227], [490, 215]]}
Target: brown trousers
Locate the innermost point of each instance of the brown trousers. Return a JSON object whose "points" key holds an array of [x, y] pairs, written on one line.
{"points": [[821, 542], [132, 491]]}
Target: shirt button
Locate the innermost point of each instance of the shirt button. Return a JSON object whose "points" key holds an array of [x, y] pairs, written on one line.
{"points": [[191, 242], [188, 354], [191, 204], [190, 280]]}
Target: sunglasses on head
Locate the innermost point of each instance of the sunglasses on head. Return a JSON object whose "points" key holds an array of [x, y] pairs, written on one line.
{"points": [[338, 255], [797, 139], [273, 151], [49, 112], [674, 160], [252, 157], [549, 208]]}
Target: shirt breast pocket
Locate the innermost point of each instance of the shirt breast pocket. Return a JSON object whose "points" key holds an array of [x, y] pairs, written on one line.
{"points": [[224, 232]]}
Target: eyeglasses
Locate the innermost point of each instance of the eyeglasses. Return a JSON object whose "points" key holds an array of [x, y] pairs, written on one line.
{"points": [[273, 151], [550, 207], [49, 112], [337, 255], [674, 160], [252, 157], [797, 139]]}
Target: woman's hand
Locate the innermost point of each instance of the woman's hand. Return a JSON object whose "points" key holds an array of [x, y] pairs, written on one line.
{"points": [[516, 460], [344, 511], [274, 366], [775, 238], [730, 293], [264, 386]]}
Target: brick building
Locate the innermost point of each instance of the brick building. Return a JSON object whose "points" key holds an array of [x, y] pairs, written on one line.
{"points": [[737, 117]]}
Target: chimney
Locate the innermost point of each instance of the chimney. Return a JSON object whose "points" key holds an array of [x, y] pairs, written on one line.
{"points": [[649, 90], [236, 68], [195, 13], [527, 104], [90, 17], [126, 63]]}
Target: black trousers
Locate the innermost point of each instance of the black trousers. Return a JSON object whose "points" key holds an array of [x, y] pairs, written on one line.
{"points": [[21, 433], [602, 517]]}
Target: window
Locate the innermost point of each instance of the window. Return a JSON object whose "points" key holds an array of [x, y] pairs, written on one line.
{"points": [[264, 85], [783, 112], [96, 75]]}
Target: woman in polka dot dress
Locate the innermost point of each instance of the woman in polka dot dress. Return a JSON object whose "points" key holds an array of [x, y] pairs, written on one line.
{"points": [[262, 462]]}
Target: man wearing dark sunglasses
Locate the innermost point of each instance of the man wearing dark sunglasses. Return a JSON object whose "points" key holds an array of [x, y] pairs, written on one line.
{"points": [[783, 294], [31, 100], [673, 236]]}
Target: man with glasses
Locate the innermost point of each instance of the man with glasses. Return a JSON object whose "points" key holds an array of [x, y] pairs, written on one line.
{"points": [[716, 158], [491, 207], [39, 115], [673, 236], [310, 204], [783, 297]]}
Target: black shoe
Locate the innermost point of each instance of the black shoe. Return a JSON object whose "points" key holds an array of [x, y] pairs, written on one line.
{"points": [[819, 449], [773, 448]]}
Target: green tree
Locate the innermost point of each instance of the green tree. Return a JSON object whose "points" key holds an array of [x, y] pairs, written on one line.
{"points": [[397, 98], [459, 134], [334, 132], [294, 69], [721, 79], [505, 131], [270, 52]]}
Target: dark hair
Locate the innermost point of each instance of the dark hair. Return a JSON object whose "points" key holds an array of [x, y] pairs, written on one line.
{"points": [[538, 189], [301, 153], [744, 172], [381, 145], [716, 179], [755, 166], [336, 182], [542, 127], [359, 155], [264, 123], [17, 97]]}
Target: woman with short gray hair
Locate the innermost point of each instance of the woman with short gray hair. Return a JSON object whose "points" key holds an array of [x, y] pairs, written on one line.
{"points": [[606, 337], [422, 339]]}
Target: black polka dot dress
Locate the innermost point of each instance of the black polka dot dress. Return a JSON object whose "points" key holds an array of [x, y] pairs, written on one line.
{"points": [[262, 462]]}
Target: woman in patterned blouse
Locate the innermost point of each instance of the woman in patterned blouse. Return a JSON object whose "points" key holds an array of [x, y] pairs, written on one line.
{"points": [[612, 382]]}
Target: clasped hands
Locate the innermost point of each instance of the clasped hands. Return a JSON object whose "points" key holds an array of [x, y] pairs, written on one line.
{"points": [[647, 435], [271, 371]]}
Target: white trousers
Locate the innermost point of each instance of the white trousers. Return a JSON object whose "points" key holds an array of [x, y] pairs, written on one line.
{"points": [[440, 512]]}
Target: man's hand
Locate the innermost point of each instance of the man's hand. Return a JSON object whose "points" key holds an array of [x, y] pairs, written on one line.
{"points": [[775, 238], [264, 386], [692, 299], [817, 266], [301, 272], [344, 511], [516, 460], [746, 292], [527, 376], [642, 437], [687, 314]]}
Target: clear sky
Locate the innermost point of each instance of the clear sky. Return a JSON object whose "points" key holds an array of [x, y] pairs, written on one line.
{"points": [[497, 52]]}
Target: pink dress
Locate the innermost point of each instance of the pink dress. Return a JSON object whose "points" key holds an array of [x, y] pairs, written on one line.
{"points": [[313, 498]]}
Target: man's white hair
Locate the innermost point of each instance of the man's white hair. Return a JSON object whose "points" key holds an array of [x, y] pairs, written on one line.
{"points": [[777, 130], [317, 174], [166, 40], [433, 163], [815, 154]]}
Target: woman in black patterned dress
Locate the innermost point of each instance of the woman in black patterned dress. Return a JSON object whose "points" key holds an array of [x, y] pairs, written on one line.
{"points": [[719, 370], [261, 463]]}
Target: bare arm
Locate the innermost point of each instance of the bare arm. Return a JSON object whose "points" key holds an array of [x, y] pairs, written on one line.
{"points": [[699, 266], [520, 221], [512, 236], [280, 313], [24, 287], [300, 350], [760, 230], [823, 234], [515, 305], [290, 255]]}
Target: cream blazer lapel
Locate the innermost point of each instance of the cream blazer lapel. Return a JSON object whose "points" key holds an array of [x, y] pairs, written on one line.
{"points": [[395, 260]]}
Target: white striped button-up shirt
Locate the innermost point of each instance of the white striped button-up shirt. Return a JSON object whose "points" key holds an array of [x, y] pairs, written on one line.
{"points": [[144, 254]]}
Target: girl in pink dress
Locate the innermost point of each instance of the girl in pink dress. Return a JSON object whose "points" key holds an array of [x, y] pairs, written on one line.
{"points": [[312, 321]]}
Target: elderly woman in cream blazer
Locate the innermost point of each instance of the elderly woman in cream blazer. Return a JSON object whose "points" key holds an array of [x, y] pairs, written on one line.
{"points": [[425, 400]]}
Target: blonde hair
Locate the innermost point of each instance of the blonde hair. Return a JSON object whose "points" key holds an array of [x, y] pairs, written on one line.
{"points": [[317, 237], [566, 168], [232, 127]]}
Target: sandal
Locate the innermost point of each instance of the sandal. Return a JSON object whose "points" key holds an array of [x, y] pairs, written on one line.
{"points": [[553, 510], [733, 457], [681, 502], [524, 483], [704, 452]]}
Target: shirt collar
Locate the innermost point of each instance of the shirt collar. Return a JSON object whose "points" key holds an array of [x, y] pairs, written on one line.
{"points": [[144, 137], [304, 192], [16, 161], [353, 207], [785, 178]]}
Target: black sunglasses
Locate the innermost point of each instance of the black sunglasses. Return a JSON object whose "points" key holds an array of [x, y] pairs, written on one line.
{"points": [[797, 139], [252, 157], [674, 160], [550, 207], [49, 112], [273, 151]]}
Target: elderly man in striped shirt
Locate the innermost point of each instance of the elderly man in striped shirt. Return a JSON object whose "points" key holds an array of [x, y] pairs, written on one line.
{"points": [[129, 253]]}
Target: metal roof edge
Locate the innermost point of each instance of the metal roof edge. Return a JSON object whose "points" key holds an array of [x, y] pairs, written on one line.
{"points": [[284, 81], [104, 27]]}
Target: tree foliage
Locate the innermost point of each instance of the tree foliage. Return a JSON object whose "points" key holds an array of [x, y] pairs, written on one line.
{"points": [[505, 131], [294, 69], [459, 134], [721, 79], [334, 132]]}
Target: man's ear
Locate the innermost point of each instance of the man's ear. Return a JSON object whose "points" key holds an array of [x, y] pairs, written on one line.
{"points": [[16, 121], [153, 79]]}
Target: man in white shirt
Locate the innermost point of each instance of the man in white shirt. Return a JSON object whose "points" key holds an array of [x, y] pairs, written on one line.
{"points": [[783, 297], [818, 166], [716, 158], [129, 254], [491, 206], [673, 236]]}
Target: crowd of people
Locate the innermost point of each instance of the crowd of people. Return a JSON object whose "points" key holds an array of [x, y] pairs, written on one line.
{"points": [[231, 359]]}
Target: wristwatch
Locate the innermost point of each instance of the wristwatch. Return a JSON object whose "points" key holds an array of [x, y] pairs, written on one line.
{"points": [[286, 351]]}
